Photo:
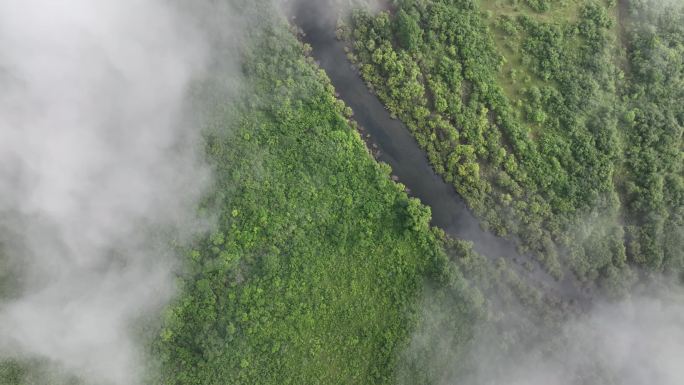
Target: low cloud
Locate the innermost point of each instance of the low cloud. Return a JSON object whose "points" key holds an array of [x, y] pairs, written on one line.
{"points": [[635, 341], [101, 171]]}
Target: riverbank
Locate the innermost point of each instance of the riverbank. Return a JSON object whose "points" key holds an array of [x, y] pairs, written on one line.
{"points": [[390, 141]]}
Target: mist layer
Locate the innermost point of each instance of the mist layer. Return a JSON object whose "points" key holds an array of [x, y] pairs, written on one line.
{"points": [[98, 170]]}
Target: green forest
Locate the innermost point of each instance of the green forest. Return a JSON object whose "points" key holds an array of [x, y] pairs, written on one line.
{"points": [[559, 122], [311, 276]]}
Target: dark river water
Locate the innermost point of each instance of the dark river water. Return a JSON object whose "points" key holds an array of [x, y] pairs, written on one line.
{"points": [[399, 149]]}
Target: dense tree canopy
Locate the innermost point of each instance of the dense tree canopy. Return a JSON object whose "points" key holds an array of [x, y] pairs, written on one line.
{"points": [[319, 259], [559, 122], [527, 111]]}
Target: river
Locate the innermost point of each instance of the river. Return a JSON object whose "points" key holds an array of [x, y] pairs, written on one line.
{"points": [[398, 148]]}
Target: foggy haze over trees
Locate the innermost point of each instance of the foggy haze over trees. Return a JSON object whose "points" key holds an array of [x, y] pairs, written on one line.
{"points": [[186, 197]]}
